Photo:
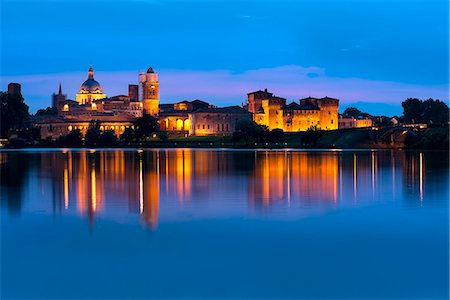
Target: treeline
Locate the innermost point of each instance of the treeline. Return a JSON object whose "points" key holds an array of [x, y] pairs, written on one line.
{"points": [[414, 111]]}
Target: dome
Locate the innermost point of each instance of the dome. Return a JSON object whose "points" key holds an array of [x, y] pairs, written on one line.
{"points": [[91, 85], [150, 70]]}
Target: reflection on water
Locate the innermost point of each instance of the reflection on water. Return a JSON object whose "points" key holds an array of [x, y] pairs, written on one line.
{"points": [[135, 182], [184, 223]]}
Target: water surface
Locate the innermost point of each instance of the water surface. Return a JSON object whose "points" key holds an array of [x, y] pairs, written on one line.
{"points": [[224, 224]]}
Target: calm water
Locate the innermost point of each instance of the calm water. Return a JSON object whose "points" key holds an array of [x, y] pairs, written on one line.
{"points": [[224, 224]]}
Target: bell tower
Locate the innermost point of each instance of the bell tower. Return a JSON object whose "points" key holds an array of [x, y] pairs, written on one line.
{"points": [[150, 92]]}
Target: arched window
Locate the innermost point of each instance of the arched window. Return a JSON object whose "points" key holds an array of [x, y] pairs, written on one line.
{"points": [[66, 107]]}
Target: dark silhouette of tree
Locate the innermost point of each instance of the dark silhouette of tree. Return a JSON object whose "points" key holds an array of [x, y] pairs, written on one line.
{"points": [[312, 137], [14, 113], [145, 126], [107, 139], [412, 110], [93, 134], [30, 133], [127, 135], [351, 112], [435, 111], [72, 139], [276, 135], [49, 111], [247, 130], [428, 111], [163, 136]]}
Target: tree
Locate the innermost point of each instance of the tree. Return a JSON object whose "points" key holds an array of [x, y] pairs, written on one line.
{"points": [[276, 135], [435, 111], [163, 136], [14, 113], [107, 139], [412, 110], [30, 133], [246, 129], [49, 111], [127, 135], [351, 112], [145, 126], [93, 134], [312, 136], [428, 111], [72, 139]]}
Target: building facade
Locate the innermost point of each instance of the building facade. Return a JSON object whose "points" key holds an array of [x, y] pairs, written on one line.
{"points": [[346, 123], [199, 118], [272, 111]]}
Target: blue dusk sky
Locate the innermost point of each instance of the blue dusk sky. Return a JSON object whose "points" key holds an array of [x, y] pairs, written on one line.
{"points": [[372, 54]]}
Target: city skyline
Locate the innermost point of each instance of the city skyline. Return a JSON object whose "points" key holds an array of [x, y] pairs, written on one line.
{"points": [[371, 52]]}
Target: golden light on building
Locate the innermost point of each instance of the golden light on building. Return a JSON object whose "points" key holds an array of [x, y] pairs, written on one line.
{"points": [[90, 91]]}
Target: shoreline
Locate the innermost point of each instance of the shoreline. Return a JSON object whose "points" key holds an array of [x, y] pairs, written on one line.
{"points": [[290, 149]]}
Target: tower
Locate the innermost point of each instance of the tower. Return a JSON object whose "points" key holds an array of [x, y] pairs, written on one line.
{"points": [[150, 91], [133, 92], [58, 98], [14, 88]]}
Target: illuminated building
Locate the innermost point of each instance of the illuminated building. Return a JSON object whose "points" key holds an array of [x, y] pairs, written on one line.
{"points": [[150, 91], [273, 112], [115, 113], [183, 118], [200, 118], [90, 90], [345, 123]]}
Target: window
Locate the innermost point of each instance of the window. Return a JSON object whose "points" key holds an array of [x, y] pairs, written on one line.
{"points": [[208, 126], [203, 126], [227, 127], [222, 126], [218, 127]]}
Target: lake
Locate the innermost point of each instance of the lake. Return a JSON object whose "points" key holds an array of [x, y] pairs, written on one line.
{"points": [[192, 223]]}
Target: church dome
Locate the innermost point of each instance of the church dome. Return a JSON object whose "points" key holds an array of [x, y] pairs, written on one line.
{"points": [[91, 85], [150, 70]]}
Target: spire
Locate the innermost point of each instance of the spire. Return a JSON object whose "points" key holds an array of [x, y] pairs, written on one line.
{"points": [[60, 89], [91, 73]]}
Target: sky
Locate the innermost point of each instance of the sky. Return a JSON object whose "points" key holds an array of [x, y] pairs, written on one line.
{"points": [[370, 54]]}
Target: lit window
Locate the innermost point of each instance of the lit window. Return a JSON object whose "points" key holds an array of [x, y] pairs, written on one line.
{"points": [[66, 107]]}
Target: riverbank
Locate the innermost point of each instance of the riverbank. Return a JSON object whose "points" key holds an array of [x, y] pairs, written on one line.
{"points": [[431, 138]]}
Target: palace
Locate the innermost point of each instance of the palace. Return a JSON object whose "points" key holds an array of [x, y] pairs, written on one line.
{"points": [[273, 112], [183, 118]]}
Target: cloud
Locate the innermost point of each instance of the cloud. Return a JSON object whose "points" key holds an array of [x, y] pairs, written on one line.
{"points": [[226, 87]]}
